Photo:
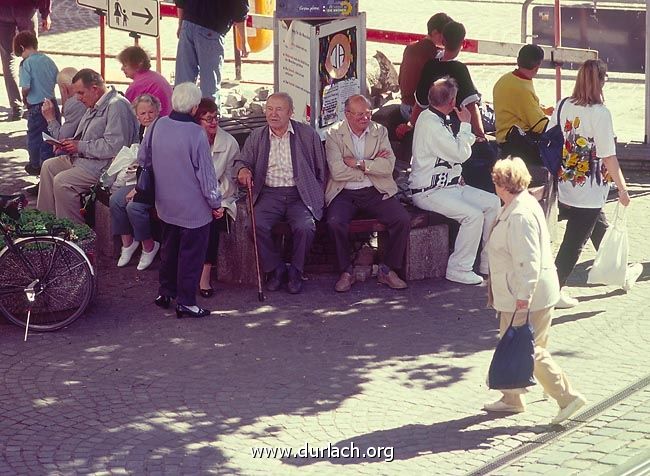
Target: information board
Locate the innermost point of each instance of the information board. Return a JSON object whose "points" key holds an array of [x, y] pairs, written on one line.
{"points": [[316, 9]]}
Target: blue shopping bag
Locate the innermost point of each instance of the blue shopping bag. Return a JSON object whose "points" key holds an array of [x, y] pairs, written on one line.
{"points": [[513, 361]]}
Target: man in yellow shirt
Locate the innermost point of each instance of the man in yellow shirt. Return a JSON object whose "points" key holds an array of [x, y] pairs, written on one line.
{"points": [[515, 100]]}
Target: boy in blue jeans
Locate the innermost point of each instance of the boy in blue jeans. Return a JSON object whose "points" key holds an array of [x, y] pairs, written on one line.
{"points": [[37, 78]]}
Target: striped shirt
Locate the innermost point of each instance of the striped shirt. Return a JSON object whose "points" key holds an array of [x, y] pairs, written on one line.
{"points": [[359, 143], [280, 171]]}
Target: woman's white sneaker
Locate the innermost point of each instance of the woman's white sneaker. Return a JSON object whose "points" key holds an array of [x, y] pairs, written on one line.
{"points": [[147, 257], [127, 253]]}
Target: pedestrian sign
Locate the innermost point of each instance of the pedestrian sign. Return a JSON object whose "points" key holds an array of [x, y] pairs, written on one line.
{"points": [[94, 4], [135, 16]]}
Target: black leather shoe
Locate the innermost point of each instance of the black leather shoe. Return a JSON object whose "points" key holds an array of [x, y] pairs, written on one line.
{"points": [[33, 170], [163, 301], [183, 311], [295, 281], [277, 277], [206, 293]]}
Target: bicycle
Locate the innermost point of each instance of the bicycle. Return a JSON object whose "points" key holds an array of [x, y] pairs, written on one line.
{"points": [[46, 281]]}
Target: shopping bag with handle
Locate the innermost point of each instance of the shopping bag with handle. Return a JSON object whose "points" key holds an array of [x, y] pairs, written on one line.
{"points": [[610, 265]]}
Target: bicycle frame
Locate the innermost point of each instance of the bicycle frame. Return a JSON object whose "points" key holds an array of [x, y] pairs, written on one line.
{"points": [[12, 248]]}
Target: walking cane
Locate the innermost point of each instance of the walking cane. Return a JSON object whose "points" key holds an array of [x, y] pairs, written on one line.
{"points": [[260, 293]]}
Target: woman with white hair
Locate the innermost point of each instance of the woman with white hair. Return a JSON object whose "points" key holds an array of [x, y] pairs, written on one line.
{"points": [[524, 284], [130, 213], [187, 198]]}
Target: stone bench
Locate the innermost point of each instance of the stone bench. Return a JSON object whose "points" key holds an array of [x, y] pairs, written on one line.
{"points": [[426, 254]]}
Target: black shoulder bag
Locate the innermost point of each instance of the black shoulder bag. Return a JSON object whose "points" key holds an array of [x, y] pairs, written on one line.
{"points": [[537, 148], [145, 187]]}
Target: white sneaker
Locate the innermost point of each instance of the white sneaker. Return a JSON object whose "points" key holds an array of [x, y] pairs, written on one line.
{"points": [[146, 258], [631, 275], [566, 302], [464, 277], [127, 253], [569, 410]]}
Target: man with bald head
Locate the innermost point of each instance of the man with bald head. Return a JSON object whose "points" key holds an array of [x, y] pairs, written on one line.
{"points": [[361, 162]]}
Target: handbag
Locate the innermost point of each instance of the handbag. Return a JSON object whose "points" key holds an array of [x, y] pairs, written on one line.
{"points": [[513, 361], [145, 186], [537, 148], [610, 264]]}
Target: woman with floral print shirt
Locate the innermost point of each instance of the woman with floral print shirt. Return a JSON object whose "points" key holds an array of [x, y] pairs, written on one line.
{"points": [[589, 165]]}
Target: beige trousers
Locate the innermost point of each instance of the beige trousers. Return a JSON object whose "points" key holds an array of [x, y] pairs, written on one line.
{"points": [[60, 187], [548, 373]]}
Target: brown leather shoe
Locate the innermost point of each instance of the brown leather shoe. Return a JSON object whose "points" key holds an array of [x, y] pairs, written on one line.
{"points": [[391, 280], [344, 283]]}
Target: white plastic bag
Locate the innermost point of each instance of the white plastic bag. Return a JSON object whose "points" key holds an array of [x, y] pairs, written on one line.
{"points": [[121, 171], [610, 265]]}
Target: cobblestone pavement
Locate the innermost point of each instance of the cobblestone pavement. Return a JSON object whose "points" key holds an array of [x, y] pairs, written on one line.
{"points": [[130, 389]]}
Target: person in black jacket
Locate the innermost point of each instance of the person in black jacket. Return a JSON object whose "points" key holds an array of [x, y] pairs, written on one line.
{"points": [[202, 26]]}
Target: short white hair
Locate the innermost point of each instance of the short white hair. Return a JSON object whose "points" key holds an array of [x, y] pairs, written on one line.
{"points": [[64, 78], [185, 97]]}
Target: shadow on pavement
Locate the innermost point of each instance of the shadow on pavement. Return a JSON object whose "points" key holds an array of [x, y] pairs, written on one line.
{"points": [[134, 377], [464, 434], [574, 317]]}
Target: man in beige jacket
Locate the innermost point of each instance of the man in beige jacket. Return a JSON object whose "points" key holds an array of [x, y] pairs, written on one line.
{"points": [[361, 161]]}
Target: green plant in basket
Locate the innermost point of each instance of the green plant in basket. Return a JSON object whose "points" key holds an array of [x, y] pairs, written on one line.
{"points": [[38, 222]]}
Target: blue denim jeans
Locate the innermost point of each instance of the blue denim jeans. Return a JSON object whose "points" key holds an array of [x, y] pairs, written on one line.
{"points": [[130, 218], [38, 150], [200, 51]]}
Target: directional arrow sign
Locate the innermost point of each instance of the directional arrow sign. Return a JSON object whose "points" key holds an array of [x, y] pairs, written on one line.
{"points": [[136, 16], [94, 4]]}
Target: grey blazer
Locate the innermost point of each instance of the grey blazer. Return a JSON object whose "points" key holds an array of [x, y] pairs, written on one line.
{"points": [[307, 158]]}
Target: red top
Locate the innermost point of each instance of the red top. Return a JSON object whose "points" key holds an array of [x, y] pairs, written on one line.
{"points": [[153, 83], [414, 59]]}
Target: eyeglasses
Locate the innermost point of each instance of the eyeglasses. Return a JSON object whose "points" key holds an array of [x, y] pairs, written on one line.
{"points": [[359, 114], [210, 119]]}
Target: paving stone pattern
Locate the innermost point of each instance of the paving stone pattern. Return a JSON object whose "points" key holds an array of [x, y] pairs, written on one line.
{"points": [[129, 389]]}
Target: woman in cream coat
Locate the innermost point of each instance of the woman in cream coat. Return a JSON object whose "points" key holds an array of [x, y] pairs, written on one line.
{"points": [[225, 150], [523, 279]]}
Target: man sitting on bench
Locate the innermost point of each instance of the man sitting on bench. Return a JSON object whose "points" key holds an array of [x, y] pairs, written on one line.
{"points": [[437, 185], [107, 125], [284, 164], [361, 162]]}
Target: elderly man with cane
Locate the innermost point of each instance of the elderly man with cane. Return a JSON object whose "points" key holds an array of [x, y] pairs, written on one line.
{"points": [[284, 163]]}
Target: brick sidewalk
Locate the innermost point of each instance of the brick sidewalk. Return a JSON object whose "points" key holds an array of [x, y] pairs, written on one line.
{"points": [[130, 389]]}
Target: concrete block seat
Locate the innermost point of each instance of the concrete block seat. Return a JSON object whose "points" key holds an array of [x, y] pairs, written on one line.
{"points": [[426, 254]]}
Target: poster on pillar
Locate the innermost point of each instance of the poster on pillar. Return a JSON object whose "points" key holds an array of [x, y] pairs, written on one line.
{"points": [[337, 72], [320, 65]]}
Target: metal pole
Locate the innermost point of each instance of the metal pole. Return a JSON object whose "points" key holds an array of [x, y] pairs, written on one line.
{"points": [[102, 43], [647, 78], [524, 21], [158, 55], [557, 43], [237, 55]]}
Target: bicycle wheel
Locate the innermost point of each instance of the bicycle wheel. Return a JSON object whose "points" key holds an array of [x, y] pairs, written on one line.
{"points": [[60, 275]]}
